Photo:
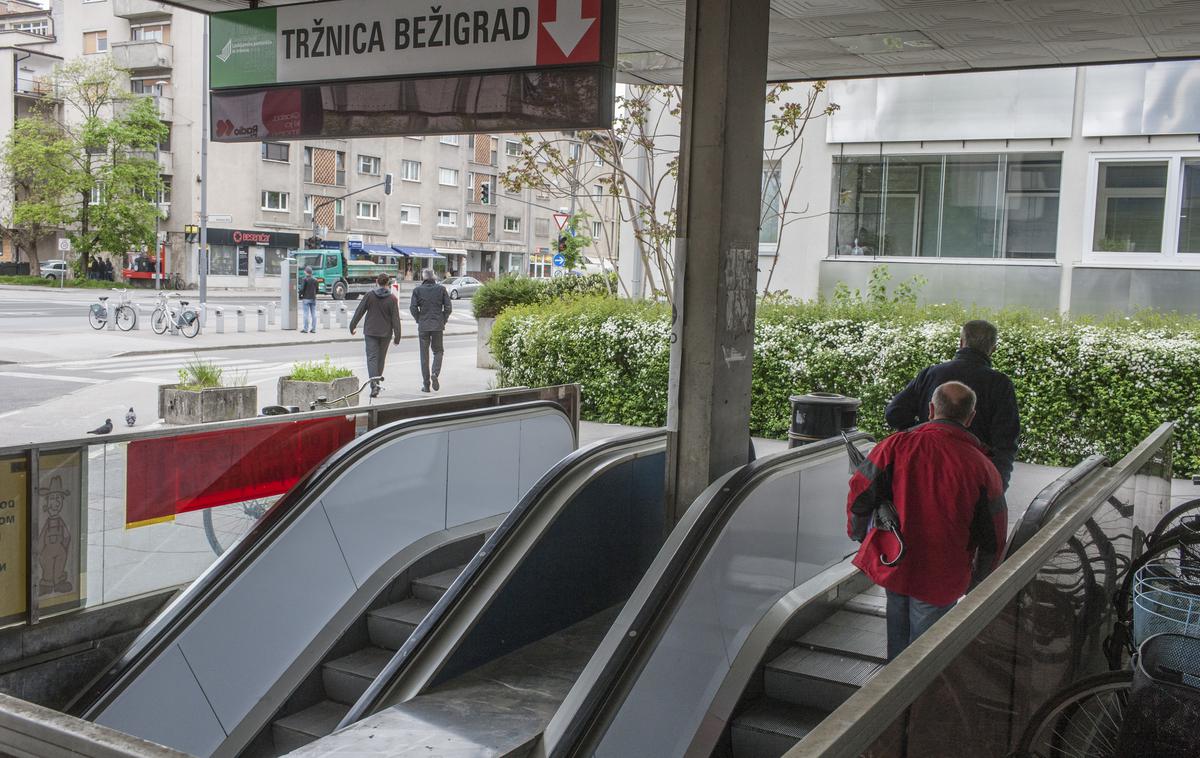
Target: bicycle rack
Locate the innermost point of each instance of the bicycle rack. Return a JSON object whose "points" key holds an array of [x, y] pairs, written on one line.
{"points": [[241, 319], [262, 318]]}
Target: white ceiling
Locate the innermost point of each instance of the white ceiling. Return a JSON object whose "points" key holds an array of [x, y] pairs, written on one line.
{"points": [[830, 39]]}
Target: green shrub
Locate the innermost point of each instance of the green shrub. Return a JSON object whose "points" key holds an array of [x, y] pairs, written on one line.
{"points": [[507, 291], [199, 374], [37, 281], [318, 371], [1083, 386]]}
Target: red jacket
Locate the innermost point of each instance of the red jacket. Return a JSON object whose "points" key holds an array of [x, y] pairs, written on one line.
{"points": [[951, 508]]}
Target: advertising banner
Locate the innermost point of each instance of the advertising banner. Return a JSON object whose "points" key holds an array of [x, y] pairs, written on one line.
{"points": [[58, 546], [14, 538]]}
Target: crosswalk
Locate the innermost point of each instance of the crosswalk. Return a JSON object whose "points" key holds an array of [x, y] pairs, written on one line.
{"points": [[152, 369]]}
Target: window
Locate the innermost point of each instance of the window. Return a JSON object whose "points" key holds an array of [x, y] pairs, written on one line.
{"points": [[275, 151], [41, 26], [447, 218], [512, 224], [96, 195], [597, 229], [1131, 199], [164, 192], [410, 171], [541, 227], [943, 206], [598, 190], [340, 162], [308, 205], [574, 151], [155, 86], [512, 148], [448, 177], [156, 32], [368, 164], [308, 164], [449, 139], [410, 214], [95, 42], [165, 144], [598, 157], [367, 210], [274, 201], [770, 215]]}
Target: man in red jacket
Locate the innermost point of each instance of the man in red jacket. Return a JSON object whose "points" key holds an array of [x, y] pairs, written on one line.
{"points": [[949, 502]]}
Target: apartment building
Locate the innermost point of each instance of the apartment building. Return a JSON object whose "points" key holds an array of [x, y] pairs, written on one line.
{"points": [[267, 199]]}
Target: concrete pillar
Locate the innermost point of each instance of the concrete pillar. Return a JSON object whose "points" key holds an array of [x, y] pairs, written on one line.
{"points": [[716, 254]]}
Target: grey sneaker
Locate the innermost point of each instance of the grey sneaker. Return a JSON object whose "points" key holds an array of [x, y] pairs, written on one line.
{"points": [[433, 380]]}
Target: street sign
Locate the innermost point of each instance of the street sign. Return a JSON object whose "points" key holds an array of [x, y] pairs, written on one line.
{"points": [[558, 272], [560, 260], [64, 245], [220, 218], [354, 245], [560, 219]]}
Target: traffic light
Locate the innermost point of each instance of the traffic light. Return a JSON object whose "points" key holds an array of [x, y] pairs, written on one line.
{"points": [[387, 184], [190, 233], [562, 243], [485, 193]]}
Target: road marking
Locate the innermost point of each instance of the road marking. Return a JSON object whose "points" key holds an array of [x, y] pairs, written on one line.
{"points": [[173, 366], [51, 377]]}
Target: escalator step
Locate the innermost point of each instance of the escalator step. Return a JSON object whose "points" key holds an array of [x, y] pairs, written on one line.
{"points": [[432, 587], [869, 603], [299, 729], [769, 728], [817, 679], [390, 626], [860, 634], [347, 678]]}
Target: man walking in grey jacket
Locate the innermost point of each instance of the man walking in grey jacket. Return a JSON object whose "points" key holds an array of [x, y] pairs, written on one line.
{"points": [[383, 322], [430, 308]]}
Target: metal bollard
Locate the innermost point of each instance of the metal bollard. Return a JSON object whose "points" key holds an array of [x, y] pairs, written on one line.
{"points": [[262, 318], [241, 319], [324, 316], [342, 318], [220, 315], [271, 313]]}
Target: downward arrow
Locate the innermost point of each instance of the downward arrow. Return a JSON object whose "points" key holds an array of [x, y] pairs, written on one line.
{"points": [[568, 26]]}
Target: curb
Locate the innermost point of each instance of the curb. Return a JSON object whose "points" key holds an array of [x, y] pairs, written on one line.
{"points": [[213, 348]]}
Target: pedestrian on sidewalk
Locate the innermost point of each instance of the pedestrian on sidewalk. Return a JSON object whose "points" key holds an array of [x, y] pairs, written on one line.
{"points": [[430, 308], [308, 301], [382, 322]]}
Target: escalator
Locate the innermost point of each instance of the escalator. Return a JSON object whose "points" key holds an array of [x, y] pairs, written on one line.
{"points": [[268, 648]]}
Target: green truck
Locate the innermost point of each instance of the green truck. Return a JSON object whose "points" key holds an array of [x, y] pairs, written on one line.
{"points": [[339, 276]]}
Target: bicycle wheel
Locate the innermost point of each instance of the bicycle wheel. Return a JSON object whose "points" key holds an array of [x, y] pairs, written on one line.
{"points": [[126, 318], [158, 320], [189, 323], [97, 317], [226, 524], [1081, 721]]}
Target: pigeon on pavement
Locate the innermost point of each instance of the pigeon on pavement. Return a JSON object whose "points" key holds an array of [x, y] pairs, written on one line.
{"points": [[130, 418], [105, 428]]}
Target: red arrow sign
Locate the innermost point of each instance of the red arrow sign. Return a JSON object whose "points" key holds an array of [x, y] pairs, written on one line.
{"points": [[568, 32]]}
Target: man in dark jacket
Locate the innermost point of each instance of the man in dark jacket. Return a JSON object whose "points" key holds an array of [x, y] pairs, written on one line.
{"points": [[430, 308], [383, 322], [308, 301], [997, 423], [949, 503]]}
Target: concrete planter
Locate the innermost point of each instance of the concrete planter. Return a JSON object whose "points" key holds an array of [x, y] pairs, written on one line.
{"points": [[180, 406], [303, 394], [483, 353]]}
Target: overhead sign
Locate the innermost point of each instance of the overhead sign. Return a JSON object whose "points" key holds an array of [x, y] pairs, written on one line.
{"points": [[560, 219], [361, 39]]}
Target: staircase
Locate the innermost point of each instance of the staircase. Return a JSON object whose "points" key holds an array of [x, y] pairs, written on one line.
{"points": [[812, 677], [344, 677]]}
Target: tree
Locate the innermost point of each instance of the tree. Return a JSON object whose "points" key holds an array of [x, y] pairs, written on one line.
{"points": [[573, 240], [89, 165], [636, 161]]}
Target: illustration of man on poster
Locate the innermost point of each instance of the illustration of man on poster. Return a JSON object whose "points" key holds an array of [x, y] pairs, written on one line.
{"points": [[54, 540]]}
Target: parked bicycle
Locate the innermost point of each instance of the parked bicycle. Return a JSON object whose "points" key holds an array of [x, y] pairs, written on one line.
{"points": [[124, 313], [183, 319]]}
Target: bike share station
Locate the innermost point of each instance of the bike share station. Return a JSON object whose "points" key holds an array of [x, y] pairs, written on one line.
{"points": [[652, 594]]}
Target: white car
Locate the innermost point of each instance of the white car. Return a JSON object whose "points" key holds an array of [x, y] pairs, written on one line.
{"points": [[54, 269], [461, 286]]}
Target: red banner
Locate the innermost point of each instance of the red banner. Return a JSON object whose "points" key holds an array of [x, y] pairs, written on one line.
{"points": [[191, 472]]}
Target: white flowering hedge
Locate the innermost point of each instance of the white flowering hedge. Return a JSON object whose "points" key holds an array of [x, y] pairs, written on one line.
{"points": [[1082, 388]]}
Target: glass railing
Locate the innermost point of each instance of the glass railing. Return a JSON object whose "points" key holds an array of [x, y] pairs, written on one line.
{"points": [[90, 521]]}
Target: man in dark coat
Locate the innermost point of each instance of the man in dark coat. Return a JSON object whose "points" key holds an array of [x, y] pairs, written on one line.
{"points": [[997, 422], [382, 322], [430, 308]]}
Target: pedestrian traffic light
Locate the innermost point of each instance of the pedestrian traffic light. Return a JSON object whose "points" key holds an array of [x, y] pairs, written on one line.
{"points": [[485, 193], [387, 184], [190, 233]]}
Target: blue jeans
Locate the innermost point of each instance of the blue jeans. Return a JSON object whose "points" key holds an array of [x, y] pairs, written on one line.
{"points": [[309, 309], [907, 619]]}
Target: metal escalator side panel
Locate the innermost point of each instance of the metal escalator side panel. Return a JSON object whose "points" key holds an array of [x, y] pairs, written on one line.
{"points": [[243, 626], [1045, 505], [750, 538], [446, 632]]}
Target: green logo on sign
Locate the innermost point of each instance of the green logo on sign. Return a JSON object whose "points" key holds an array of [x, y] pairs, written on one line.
{"points": [[241, 48]]}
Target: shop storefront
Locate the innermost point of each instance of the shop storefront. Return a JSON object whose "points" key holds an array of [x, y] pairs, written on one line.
{"points": [[248, 258]]}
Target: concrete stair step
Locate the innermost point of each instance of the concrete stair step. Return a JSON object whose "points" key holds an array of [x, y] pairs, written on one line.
{"points": [[768, 728], [859, 634], [299, 729], [815, 678], [391, 625], [347, 678], [432, 587]]}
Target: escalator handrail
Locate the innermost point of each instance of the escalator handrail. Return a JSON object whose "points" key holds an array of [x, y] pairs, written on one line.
{"points": [[708, 520], [1041, 509], [494, 546], [198, 595]]}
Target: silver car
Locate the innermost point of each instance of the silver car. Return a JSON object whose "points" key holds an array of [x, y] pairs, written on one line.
{"points": [[53, 269], [461, 286]]}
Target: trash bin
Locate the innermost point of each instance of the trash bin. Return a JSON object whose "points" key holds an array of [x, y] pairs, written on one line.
{"points": [[819, 415]]}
